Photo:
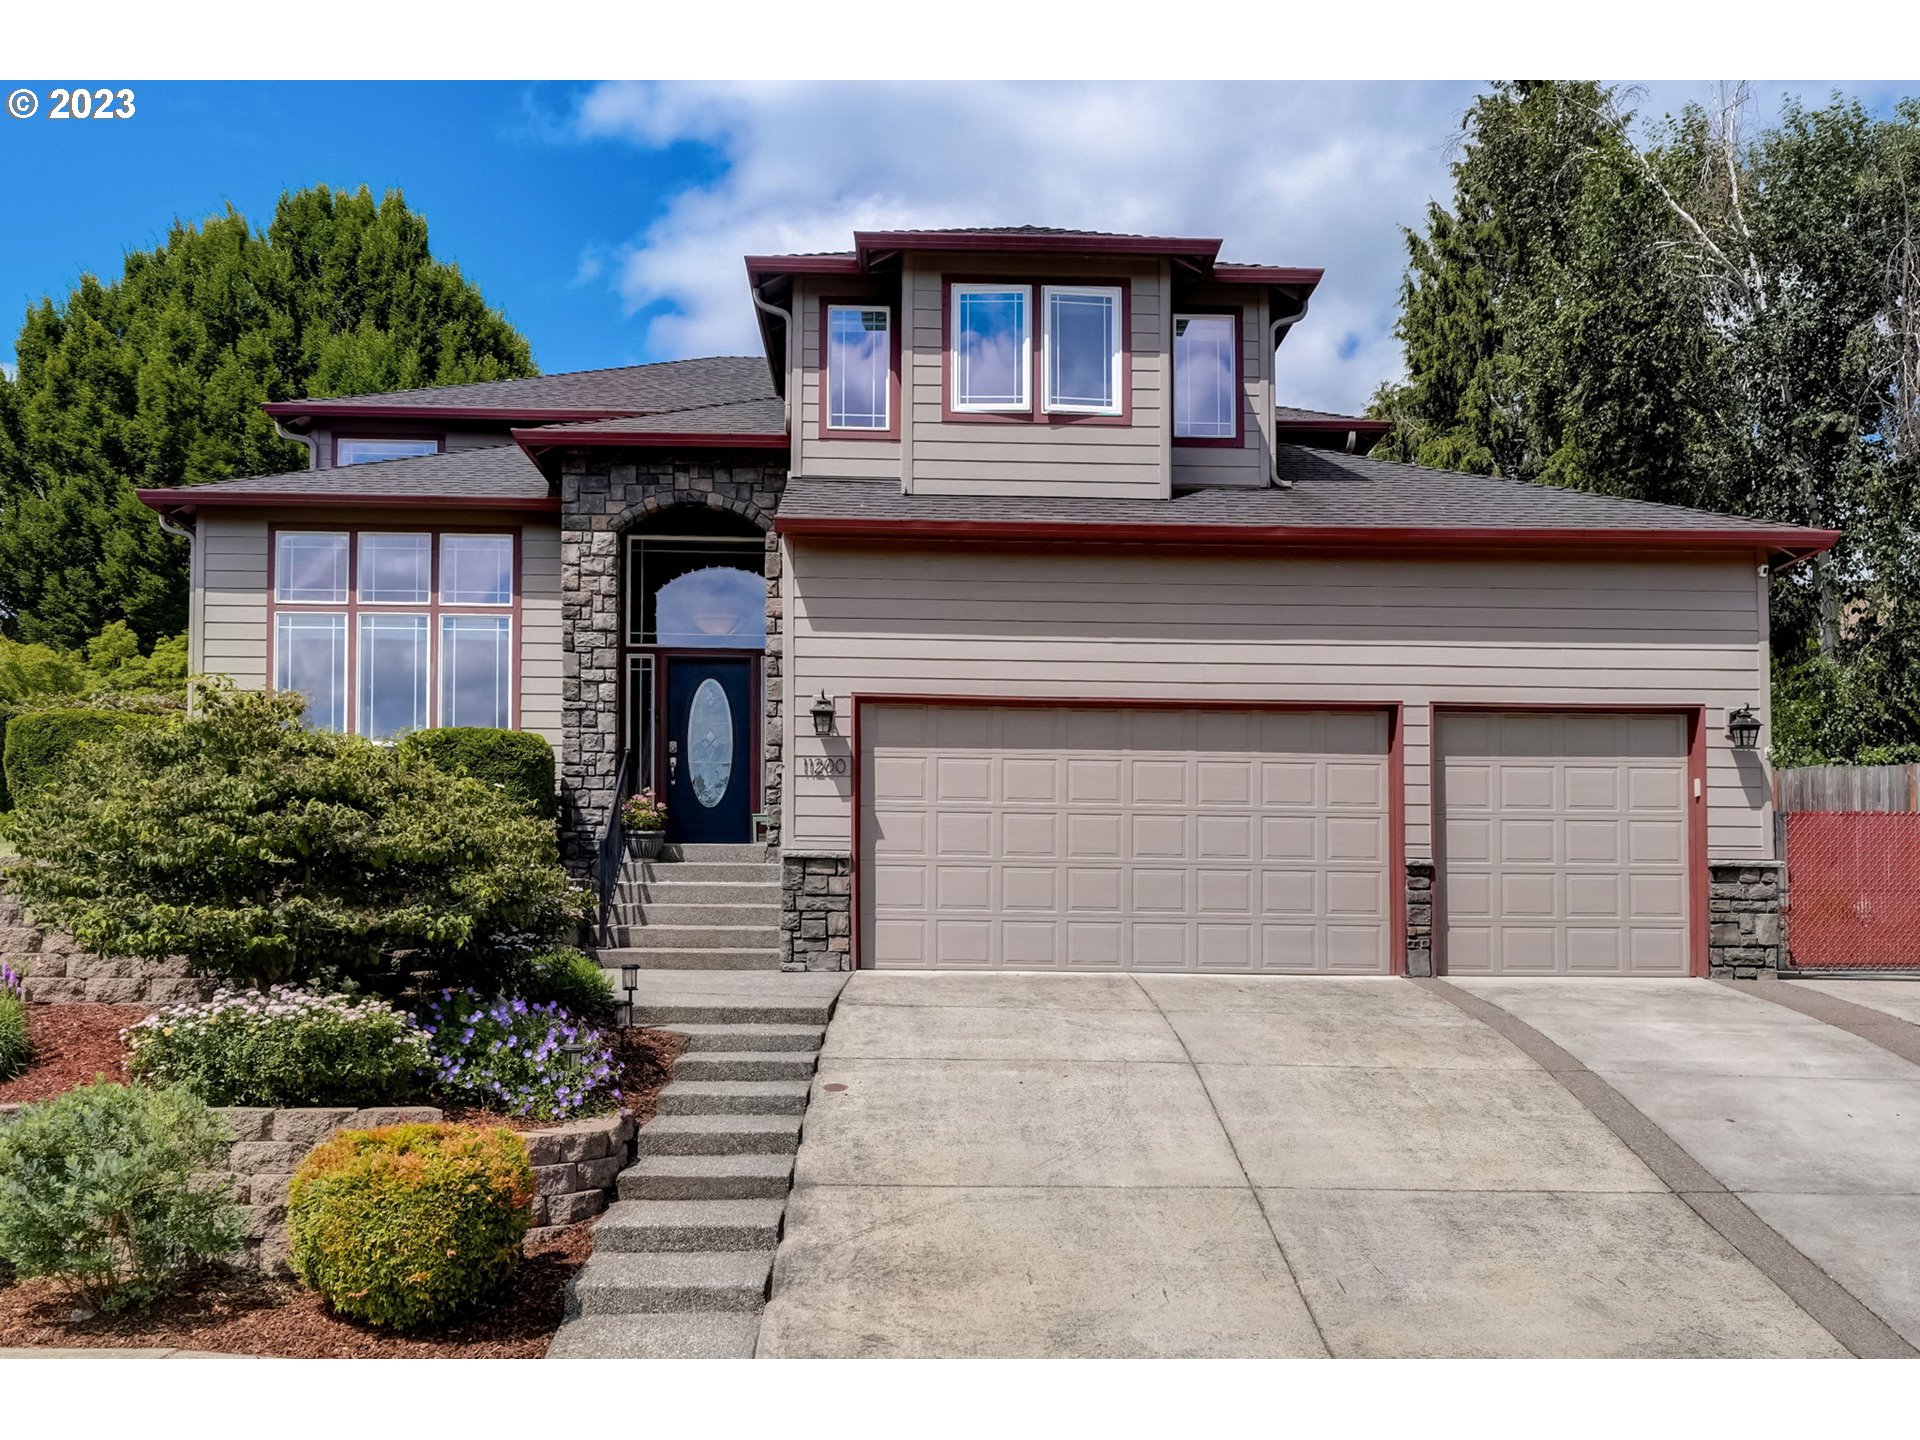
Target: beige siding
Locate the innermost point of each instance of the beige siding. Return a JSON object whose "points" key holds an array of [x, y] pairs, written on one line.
{"points": [[1671, 630], [1250, 463], [1036, 459], [842, 459], [540, 648]]}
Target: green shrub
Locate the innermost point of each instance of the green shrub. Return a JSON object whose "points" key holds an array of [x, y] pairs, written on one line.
{"points": [[282, 1047], [16, 1043], [510, 1056], [106, 1189], [569, 979], [514, 761], [406, 1225], [266, 852], [6, 796], [39, 742]]}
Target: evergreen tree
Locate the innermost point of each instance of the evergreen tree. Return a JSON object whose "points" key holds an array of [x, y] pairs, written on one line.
{"points": [[157, 379]]}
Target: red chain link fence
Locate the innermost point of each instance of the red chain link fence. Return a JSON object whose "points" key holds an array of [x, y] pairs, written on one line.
{"points": [[1853, 890]]}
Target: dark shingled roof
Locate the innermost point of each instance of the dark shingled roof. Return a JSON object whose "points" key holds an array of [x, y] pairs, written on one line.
{"points": [[1316, 417], [746, 417], [1330, 491], [629, 390], [499, 472]]}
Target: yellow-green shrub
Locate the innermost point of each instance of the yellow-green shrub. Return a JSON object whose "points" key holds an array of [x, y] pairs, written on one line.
{"points": [[406, 1225]]}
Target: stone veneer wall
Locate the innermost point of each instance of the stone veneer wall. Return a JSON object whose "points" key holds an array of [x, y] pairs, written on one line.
{"points": [[601, 499], [816, 912], [1744, 934], [1419, 892], [60, 971], [574, 1165]]}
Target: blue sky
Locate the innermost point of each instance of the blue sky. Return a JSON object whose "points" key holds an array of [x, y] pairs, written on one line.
{"points": [[607, 221]]}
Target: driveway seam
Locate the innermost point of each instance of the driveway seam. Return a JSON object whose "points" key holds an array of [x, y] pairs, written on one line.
{"points": [[1293, 1275], [1830, 1305], [1876, 1027]]}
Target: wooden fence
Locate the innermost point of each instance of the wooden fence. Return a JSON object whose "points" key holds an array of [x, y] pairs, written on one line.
{"points": [[1876, 789]]}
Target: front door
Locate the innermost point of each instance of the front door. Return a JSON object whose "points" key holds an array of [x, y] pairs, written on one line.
{"points": [[709, 760]]}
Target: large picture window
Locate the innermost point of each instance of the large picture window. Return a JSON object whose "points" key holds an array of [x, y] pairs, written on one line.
{"points": [[992, 339], [1206, 378], [1081, 350], [386, 631], [859, 368]]}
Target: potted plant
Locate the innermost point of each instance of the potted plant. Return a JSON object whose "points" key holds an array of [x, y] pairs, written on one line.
{"points": [[643, 821]]}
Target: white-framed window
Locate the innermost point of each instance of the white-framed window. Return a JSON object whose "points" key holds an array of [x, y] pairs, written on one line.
{"points": [[476, 569], [1081, 349], [859, 367], [991, 326], [476, 670], [310, 567], [362, 450], [394, 662], [1206, 378], [310, 656], [395, 569]]}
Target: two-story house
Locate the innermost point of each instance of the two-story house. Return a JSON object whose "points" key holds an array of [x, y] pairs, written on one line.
{"points": [[1004, 599]]}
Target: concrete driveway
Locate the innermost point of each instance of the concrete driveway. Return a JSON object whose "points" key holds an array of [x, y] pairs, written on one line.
{"points": [[1041, 1165]]}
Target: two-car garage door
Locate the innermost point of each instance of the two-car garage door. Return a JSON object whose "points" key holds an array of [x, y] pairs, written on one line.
{"points": [[1102, 839]]}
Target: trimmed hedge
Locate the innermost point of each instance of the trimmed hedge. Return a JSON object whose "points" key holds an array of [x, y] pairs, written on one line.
{"points": [[39, 742], [406, 1225], [515, 761]]}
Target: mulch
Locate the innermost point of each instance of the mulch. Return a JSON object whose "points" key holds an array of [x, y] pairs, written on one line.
{"points": [[238, 1313], [72, 1044]]}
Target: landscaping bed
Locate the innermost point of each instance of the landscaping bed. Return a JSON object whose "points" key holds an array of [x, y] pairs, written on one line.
{"points": [[236, 1312], [71, 1045], [643, 1063]]}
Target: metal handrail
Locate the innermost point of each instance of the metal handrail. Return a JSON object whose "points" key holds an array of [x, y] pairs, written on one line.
{"points": [[613, 842]]}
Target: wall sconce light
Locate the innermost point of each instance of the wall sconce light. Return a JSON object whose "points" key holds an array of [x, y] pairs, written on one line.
{"points": [[823, 715], [1743, 728]]}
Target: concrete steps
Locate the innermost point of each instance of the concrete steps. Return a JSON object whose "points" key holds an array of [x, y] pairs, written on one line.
{"points": [[682, 1261], [623, 952], [655, 936], [730, 913], [700, 892]]}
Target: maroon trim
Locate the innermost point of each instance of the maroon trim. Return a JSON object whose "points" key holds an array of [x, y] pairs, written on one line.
{"points": [[1698, 816], [1396, 779], [759, 265], [1785, 538], [1233, 274], [439, 437], [187, 497], [866, 242], [544, 439], [895, 322], [1036, 412], [432, 607], [305, 409], [1212, 442], [1333, 425]]}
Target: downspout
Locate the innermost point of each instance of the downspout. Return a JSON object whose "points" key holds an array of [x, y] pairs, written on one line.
{"points": [[194, 629], [786, 328], [1275, 334], [306, 440]]}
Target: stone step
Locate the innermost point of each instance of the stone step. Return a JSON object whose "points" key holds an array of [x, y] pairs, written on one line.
{"points": [[648, 871], [744, 1065], [676, 1335], [673, 1015], [684, 853], [613, 956], [649, 1282], [707, 1177], [756, 1039], [674, 912], [681, 1225], [733, 1097], [699, 892], [652, 936], [719, 1135]]}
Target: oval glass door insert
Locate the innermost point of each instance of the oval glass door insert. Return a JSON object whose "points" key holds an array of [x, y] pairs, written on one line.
{"points": [[709, 743]]}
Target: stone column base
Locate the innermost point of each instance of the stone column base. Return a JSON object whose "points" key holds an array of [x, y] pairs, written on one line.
{"points": [[816, 912], [1419, 892], [1744, 933]]}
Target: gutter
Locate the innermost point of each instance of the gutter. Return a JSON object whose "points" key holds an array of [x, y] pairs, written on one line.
{"points": [[182, 499], [767, 307]]}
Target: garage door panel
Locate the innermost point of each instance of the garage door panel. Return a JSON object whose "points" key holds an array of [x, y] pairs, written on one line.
{"points": [[1113, 839], [1563, 843]]}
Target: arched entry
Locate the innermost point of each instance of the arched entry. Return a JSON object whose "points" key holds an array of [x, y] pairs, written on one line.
{"points": [[694, 617]]}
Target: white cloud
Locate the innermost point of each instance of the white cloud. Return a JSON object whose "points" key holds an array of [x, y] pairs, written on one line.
{"points": [[1289, 173]]}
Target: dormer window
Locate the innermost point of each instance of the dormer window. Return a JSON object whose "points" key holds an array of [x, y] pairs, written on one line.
{"points": [[1081, 350], [992, 329], [860, 368]]}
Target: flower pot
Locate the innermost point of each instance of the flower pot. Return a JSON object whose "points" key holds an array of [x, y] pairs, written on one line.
{"points": [[645, 844]]}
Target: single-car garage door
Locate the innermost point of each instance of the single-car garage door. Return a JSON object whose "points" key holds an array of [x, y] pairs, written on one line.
{"points": [[1563, 844], [1062, 838]]}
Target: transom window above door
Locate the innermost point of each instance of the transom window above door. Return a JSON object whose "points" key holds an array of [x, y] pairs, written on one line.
{"points": [[696, 592], [386, 631]]}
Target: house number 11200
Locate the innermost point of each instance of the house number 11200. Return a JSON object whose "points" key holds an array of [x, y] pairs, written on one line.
{"points": [[819, 767]]}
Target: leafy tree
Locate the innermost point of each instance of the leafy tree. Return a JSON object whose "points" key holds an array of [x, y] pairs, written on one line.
{"points": [[266, 852], [157, 379]]}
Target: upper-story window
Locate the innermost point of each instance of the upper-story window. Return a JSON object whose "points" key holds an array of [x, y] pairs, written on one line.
{"points": [[1206, 377], [1081, 349], [360, 449], [992, 364], [859, 367]]}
